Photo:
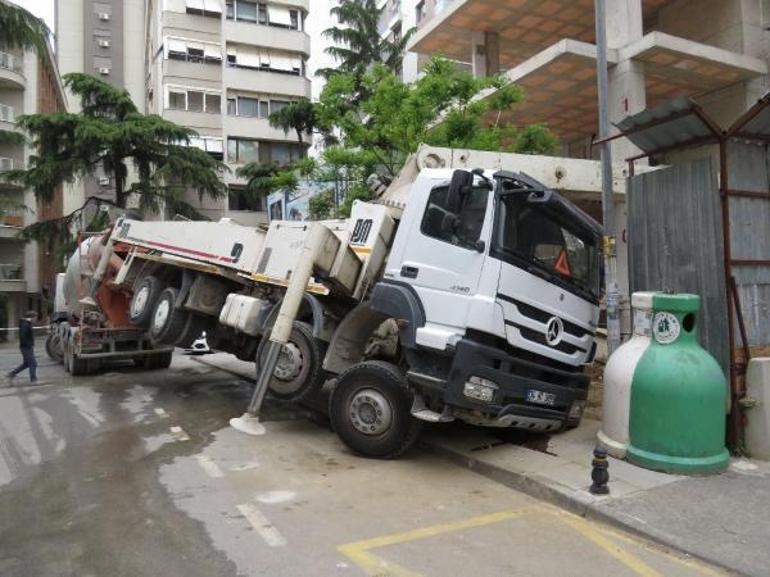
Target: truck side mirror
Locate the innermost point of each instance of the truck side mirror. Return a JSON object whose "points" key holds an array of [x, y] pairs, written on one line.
{"points": [[461, 183]]}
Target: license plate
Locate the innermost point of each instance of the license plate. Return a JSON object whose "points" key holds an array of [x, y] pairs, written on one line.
{"points": [[541, 397]]}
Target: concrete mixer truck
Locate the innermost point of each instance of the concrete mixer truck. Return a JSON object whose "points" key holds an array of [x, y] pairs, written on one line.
{"points": [[458, 294]]}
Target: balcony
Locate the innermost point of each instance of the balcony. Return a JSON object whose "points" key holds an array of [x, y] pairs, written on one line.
{"points": [[11, 71], [252, 34], [203, 122], [12, 278], [254, 80], [206, 29], [184, 71], [10, 225]]}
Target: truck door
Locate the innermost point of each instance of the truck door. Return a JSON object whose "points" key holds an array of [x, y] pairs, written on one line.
{"points": [[445, 253]]}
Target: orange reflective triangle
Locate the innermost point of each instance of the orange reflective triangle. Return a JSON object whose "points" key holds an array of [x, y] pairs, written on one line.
{"points": [[562, 264]]}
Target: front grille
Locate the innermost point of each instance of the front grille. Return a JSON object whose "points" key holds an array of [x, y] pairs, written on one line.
{"points": [[543, 316], [539, 338]]}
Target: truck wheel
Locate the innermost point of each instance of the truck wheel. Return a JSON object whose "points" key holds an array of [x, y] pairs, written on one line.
{"points": [[78, 367], [370, 410], [53, 347], [167, 321], [161, 360], [67, 356], [143, 301], [298, 373]]}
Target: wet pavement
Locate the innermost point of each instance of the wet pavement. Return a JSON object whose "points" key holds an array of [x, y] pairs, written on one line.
{"points": [[137, 474]]}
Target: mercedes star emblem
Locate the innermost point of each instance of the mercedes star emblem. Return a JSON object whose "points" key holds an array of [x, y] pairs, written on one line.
{"points": [[554, 331]]}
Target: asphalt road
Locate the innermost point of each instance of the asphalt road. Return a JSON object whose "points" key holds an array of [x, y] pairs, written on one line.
{"points": [[137, 474]]}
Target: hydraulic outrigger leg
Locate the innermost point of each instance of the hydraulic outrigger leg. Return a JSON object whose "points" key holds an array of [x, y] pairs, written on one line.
{"points": [[279, 336]]}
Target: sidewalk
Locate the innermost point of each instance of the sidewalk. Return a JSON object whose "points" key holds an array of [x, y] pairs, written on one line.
{"points": [[723, 519]]}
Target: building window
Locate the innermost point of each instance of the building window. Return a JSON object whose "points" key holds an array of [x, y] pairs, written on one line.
{"points": [[276, 105], [177, 49], [210, 144], [419, 11], [242, 150], [240, 199], [263, 19], [294, 16], [232, 109], [246, 11], [280, 153], [177, 100], [396, 32], [248, 106], [268, 60], [230, 9], [211, 8], [194, 100]]}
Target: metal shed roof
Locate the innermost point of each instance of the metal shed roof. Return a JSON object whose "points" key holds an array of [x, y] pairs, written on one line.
{"points": [[677, 123]]}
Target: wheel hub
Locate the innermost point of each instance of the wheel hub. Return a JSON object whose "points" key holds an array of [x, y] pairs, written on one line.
{"points": [[161, 315], [289, 364], [140, 301], [370, 412]]}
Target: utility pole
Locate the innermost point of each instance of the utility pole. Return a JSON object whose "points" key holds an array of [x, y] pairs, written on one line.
{"points": [[611, 293]]}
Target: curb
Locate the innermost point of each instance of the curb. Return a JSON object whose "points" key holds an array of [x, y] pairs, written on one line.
{"points": [[534, 487]]}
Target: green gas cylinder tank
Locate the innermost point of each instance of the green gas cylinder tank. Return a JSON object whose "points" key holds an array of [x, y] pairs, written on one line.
{"points": [[678, 395]]}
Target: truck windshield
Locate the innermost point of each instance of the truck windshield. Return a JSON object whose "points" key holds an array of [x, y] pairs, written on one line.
{"points": [[544, 239]]}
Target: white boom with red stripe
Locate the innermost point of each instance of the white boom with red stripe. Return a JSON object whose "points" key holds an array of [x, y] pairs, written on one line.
{"points": [[264, 255]]}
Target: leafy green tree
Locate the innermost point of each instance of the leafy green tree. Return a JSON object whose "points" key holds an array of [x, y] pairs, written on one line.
{"points": [[440, 108], [298, 116], [358, 44], [113, 135], [20, 29]]}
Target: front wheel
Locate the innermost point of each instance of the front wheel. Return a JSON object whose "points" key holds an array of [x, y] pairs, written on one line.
{"points": [[370, 410]]}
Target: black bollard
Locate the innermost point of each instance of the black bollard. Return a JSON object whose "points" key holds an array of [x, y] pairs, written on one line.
{"points": [[600, 474]]}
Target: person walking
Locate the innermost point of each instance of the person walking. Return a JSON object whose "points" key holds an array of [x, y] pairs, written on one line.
{"points": [[27, 347]]}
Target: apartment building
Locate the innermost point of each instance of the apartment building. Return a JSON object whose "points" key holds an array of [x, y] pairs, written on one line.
{"points": [[104, 38], [29, 84], [713, 50], [222, 67]]}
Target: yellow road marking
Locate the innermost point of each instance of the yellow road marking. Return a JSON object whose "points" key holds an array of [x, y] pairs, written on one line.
{"points": [[360, 551], [595, 535]]}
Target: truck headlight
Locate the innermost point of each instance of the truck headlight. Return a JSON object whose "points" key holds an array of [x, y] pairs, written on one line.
{"points": [[480, 389]]}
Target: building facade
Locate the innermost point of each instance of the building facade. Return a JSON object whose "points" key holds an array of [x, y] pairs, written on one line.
{"points": [[29, 84], [221, 67], [713, 50], [103, 38]]}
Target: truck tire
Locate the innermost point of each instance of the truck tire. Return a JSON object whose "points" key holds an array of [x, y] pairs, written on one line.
{"points": [[370, 410], [160, 360], [167, 322], [143, 302], [298, 374], [78, 367], [53, 347]]}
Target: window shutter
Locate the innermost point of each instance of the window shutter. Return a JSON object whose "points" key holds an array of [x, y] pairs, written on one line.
{"points": [[278, 15]]}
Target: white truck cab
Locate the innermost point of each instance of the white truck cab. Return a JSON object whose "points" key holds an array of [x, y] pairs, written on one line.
{"points": [[505, 276]]}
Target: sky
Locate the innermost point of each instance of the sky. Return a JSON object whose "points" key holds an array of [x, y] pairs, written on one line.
{"points": [[40, 8]]}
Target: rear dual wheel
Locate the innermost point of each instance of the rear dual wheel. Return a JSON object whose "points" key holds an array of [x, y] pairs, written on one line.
{"points": [[168, 322]]}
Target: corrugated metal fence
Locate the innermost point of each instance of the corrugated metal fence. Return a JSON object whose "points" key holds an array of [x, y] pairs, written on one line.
{"points": [[750, 237], [675, 242]]}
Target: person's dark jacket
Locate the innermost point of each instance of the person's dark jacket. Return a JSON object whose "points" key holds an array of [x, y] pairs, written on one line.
{"points": [[26, 335]]}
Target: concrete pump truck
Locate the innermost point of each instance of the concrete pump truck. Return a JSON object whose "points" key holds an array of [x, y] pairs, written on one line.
{"points": [[477, 299]]}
